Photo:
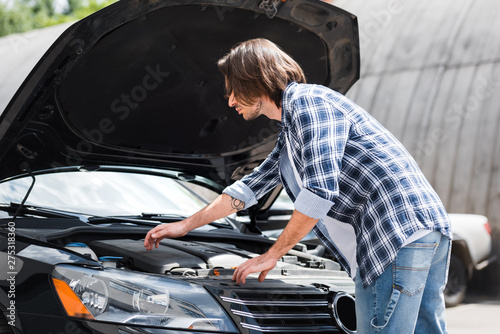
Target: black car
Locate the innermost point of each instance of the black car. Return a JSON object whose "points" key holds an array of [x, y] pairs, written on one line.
{"points": [[123, 125]]}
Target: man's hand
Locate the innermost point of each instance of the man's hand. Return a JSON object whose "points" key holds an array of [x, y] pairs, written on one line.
{"points": [[160, 232], [262, 263], [219, 208], [297, 228]]}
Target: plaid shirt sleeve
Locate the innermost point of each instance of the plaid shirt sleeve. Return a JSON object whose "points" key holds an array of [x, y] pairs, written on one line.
{"points": [[319, 131]]}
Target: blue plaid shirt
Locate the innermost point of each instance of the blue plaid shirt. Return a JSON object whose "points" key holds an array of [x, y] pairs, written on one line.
{"points": [[353, 170]]}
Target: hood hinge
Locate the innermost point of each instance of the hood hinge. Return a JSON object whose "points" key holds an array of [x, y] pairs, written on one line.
{"points": [[252, 226]]}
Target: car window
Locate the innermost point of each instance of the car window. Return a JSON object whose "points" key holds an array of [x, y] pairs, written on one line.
{"points": [[282, 202], [105, 193]]}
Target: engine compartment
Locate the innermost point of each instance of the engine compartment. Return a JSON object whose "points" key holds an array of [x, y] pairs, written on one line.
{"points": [[172, 254], [303, 281], [198, 255], [192, 258]]}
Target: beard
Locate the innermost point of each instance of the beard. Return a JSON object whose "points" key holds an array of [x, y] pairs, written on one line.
{"points": [[253, 114]]}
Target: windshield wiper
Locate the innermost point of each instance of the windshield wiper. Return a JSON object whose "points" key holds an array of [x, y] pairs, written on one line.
{"points": [[17, 208], [150, 218], [143, 219], [170, 218]]}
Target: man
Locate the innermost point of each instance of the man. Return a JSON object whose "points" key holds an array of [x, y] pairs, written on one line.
{"points": [[350, 180]]}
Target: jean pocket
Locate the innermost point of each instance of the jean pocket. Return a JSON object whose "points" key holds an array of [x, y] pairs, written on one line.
{"points": [[380, 321], [411, 267]]}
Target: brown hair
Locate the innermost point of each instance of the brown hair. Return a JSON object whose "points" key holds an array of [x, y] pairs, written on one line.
{"points": [[256, 68]]}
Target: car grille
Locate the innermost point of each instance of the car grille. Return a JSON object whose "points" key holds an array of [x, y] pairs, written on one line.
{"points": [[280, 311]]}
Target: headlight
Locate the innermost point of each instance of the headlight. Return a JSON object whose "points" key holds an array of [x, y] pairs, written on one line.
{"points": [[133, 298]]}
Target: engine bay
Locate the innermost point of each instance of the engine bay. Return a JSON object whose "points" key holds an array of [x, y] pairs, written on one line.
{"points": [[93, 259], [194, 258], [198, 255]]}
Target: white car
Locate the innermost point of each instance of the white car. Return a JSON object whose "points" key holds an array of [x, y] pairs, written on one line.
{"points": [[471, 250]]}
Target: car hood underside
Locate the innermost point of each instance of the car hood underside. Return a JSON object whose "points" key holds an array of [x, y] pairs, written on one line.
{"points": [[137, 84]]}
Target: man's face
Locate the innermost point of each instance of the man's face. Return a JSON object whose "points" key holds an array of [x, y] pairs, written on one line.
{"points": [[248, 112]]}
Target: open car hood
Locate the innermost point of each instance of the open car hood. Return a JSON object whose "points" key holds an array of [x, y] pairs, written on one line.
{"points": [[137, 84]]}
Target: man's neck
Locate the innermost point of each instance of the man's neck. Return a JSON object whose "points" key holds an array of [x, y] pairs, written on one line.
{"points": [[270, 109]]}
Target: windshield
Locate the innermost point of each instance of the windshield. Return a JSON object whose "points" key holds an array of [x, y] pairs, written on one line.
{"points": [[104, 193]]}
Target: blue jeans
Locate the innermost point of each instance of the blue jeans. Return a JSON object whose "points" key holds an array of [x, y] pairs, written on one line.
{"points": [[408, 296]]}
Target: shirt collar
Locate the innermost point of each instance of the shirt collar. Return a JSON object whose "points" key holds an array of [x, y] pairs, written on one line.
{"points": [[285, 103]]}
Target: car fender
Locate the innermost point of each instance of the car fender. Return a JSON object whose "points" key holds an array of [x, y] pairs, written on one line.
{"points": [[469, 229]]}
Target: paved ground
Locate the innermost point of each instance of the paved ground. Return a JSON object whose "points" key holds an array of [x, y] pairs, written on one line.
{"points": [[478, 314]]}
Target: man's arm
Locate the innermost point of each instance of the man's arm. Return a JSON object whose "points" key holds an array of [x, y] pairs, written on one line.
{"points": [[221, 207], [261, 180], [296, 229]]}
